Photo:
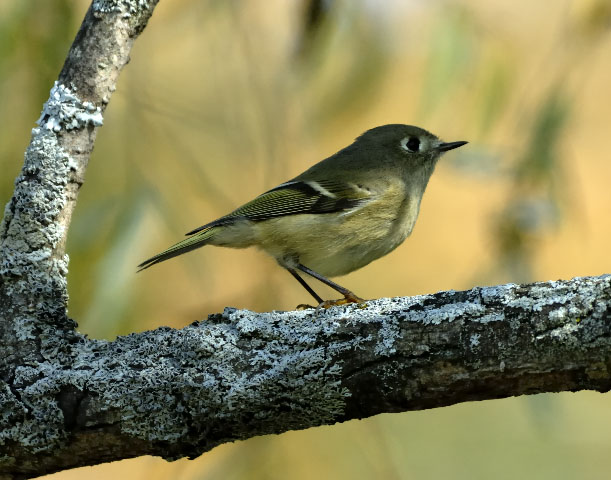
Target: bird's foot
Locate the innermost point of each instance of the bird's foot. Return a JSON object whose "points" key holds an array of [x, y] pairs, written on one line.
{"points": [[348, 298]]}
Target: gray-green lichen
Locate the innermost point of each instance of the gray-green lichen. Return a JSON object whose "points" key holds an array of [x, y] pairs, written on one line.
{"points": [[128, 7], [30, 231], [65, 110], [268, 367]]}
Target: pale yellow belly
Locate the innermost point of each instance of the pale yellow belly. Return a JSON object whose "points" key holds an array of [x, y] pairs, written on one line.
{"points": [[333, 244]]}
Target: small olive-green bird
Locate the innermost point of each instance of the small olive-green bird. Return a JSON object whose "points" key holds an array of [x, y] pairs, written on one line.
{"points": [[339, 215]]}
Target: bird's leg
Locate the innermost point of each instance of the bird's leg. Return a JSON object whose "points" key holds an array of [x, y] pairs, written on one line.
{"points": [[303, 283], [349, 297]]}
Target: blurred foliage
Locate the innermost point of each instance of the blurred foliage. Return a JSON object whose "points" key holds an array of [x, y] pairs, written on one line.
{"points": [[450, 54], [533, 205], [34, 39], [224, 99]]}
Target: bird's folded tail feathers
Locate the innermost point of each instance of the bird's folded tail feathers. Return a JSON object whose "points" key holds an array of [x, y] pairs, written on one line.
{"points": [[202, 238]]}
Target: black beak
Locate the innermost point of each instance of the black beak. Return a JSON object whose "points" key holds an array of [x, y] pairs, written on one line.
{"points": [[444, 147]]}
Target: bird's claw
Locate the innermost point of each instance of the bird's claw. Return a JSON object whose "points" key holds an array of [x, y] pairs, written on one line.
{"points": [[348, 298]]}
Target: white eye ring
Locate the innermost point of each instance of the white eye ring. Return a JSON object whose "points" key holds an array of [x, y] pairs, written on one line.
{"points": [[411, 144]]}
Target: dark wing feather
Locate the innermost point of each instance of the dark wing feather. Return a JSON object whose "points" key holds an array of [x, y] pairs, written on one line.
{"points": [[293, 198]]}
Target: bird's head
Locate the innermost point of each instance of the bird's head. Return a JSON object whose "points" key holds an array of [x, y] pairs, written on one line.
{"points": [[413, 143]]}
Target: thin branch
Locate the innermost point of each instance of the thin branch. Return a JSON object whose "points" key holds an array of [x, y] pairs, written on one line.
{"points": [[35, 225]]}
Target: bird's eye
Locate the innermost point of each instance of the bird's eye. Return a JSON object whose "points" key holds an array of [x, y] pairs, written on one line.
{"points": [[413, 144]]}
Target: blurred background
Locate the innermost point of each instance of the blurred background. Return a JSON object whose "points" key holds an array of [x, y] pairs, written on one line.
{"points": [[225, 99]]}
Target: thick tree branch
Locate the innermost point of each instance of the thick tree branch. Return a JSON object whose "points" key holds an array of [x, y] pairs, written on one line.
{"points": [[177, 393]]}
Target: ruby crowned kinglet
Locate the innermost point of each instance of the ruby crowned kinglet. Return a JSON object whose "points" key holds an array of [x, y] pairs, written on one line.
{"points": [[339, 215]]}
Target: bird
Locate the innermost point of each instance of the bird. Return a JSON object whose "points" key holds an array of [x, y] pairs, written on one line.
{"points": [[342, 213]]}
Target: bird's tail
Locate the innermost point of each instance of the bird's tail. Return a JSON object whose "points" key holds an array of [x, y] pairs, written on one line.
{"points": [[202, 238]]}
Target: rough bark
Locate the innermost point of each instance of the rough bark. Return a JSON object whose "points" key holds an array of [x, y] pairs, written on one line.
{"points": [[177, 393], [68, 401]]}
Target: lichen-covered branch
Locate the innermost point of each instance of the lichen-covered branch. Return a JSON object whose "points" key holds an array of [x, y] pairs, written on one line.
{"points": [[33, 232], [177, 393]]}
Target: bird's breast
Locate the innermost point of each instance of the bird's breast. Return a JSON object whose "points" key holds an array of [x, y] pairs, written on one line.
{"points": [[335, 244]]}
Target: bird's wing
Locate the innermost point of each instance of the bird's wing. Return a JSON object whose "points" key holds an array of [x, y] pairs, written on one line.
{"points": [[297, 197]]}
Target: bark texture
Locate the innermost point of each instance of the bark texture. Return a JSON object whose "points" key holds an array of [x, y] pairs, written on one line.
{"points": [[176, 393]]}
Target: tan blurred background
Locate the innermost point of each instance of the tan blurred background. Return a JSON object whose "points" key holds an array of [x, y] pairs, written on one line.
{"points": [[225, 99]]}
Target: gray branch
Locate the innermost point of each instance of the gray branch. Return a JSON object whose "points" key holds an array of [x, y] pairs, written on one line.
{"points": [[176, 393], [33, 232], [68, 401]]}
